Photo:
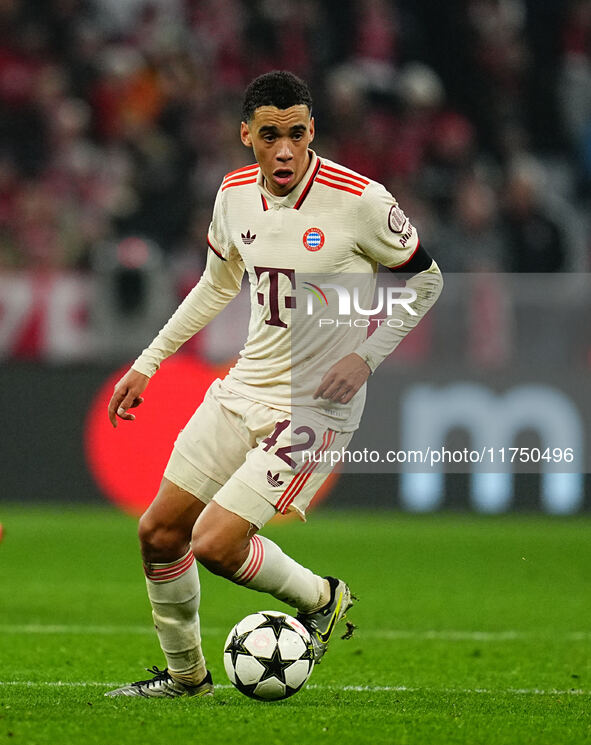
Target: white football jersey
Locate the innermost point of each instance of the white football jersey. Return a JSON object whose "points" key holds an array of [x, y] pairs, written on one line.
{"points": [[335, 224]]}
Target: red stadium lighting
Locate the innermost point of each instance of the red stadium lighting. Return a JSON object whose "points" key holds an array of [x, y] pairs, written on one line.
{"points": [[127, 463]]}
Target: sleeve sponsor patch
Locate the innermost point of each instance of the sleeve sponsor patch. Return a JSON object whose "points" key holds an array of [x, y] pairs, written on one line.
{"points": [[396, 219]]}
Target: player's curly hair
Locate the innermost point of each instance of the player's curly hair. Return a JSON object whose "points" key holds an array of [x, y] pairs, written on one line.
{"points": [[279, 88]]}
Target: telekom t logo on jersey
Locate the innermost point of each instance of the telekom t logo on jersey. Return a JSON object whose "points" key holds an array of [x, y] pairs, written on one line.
{"points": [[290, 301], [387, 299]]}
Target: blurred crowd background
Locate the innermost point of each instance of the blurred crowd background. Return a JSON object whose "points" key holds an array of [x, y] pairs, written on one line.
{"points": [[118, 118]]}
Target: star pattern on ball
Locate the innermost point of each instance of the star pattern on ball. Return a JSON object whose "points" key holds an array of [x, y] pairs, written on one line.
{"points": [[277, 623], [236, 647], [275, 667]]}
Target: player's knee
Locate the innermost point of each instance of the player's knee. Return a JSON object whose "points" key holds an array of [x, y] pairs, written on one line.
{"points": [[159, 542], [214, 553]]}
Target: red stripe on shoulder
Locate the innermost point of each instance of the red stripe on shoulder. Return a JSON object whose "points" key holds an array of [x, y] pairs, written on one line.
{"points": [[241, 170], [347, 174], [242, 182], [341, 187], [341, 179]]}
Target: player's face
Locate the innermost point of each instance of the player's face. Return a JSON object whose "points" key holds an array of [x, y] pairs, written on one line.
{"points": [[280, 139]]}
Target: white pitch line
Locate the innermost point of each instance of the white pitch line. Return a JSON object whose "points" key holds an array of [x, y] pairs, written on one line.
{"points": [[486, 691], [353, 688], [34, 628], [476, 636], [38, 628], [386, 634]]}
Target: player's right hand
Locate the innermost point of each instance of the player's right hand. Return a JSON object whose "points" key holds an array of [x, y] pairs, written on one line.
{"points": [[127, 395]]}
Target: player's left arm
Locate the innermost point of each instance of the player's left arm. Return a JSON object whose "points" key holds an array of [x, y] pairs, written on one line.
{"points": [[387, 237]]}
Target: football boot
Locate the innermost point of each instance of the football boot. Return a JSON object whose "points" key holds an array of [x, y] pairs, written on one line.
{"points": [[163, 685], [321, 623]]}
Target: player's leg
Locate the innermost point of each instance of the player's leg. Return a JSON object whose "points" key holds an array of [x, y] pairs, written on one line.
{"points": [[165, 529], [226, 543], [172, 579], [172, 583], [224, 538]]}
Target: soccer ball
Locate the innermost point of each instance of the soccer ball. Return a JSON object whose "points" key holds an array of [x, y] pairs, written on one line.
{"points": [[268, 655]]}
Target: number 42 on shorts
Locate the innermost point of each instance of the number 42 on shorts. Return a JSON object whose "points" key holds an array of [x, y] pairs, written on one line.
{"points": [[284, 451]]}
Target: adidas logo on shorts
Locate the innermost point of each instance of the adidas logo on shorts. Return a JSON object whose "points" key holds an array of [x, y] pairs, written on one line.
{"points": [[273, 479]]}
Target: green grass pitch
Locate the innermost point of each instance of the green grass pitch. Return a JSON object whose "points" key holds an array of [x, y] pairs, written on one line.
{"points": [[471, 630]]}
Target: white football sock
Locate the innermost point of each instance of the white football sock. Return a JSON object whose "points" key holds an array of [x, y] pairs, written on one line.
{"points": [[174, 593], [268, 569]]}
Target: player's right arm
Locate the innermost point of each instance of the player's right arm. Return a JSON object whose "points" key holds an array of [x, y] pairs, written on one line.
{"points": [[220, 283], [127, 395]]}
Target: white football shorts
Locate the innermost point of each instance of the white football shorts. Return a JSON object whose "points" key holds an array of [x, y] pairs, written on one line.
{"points": [[244, 455]]}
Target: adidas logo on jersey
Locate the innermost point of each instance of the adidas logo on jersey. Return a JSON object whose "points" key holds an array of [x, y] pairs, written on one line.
{"points": [[273, 479], [248, 238]]}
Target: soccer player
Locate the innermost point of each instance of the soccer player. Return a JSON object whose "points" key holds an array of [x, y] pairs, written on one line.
{"points": [[289, 216]]}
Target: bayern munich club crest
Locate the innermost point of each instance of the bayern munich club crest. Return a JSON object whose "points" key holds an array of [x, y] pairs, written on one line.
{"points": [[313, 239]]}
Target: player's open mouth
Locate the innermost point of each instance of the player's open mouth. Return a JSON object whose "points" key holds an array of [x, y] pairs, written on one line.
{"points": [[282, 176]]}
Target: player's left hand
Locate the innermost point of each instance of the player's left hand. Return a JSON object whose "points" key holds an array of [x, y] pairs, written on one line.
{"points": [[342, 381]]}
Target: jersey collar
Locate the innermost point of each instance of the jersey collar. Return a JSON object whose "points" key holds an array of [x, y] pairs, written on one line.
{"points": [[296, 197]]}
